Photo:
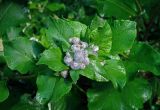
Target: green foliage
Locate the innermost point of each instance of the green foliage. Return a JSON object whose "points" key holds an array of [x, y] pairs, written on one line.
{"points": [[55, 6], [4, 91], [100, 34], [131, 97], [53, 59], [11, 15], [122, 47], [116, 8], [124, 33], [115, 71], [44, 92], [149, 62], [61, 30], [22, 49], [56, 88]]}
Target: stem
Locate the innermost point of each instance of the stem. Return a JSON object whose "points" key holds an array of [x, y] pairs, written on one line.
{"points": [[139, 5], [126, 56], [49, 106], [80, 89], [25, 77]]}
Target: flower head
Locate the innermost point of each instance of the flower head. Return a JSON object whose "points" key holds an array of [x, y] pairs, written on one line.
{"points": [[78, 56]]}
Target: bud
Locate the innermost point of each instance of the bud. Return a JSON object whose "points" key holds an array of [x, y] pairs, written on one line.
{"points": [[34, 39], [91, 46], [75, 47], [82, 66], [68, 60], [84, 44], [95, 48], [64, 73], [68, 54], [85, 53], [75, 66], [78, 55], [86, 61], [103, 63], [74, 40], [79, 59]]}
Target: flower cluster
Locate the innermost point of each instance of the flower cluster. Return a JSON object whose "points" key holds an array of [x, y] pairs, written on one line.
{"points": [[77, 56]]}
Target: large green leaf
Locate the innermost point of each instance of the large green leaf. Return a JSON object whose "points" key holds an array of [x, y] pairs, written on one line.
{"points": [[116, 8], [136, 93], [51, 88], [71, 101], [131, 69], [144, 57], [78, 28], [19, 54], [123, 35], [53, 59], [107, 99], [59, 31], [61, 88], [94, 71], [101, 34], [97, 22], [116, 72], [45, 86], [4, 92], [12, 33], [131, 97], [11, 15]]}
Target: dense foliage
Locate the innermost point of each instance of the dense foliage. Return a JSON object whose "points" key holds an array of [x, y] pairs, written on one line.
{"points": [[79, 55]]}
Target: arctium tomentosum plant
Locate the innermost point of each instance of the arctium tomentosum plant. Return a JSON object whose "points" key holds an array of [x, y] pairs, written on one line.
{"points": [[79, 55]]}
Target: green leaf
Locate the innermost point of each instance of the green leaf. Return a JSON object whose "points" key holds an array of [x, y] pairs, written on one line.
{"points": [[131, 69], [78, 28], [97, 22], [101, 35], [123, 35], [51, 88], [116, 72], [116, 8], [131, 97], [74, 75], [55, 6], [19, 54], [1, 45], [61, 88], [136, 93], [2, 59], [71, 101], [53, 59], [11, 15], [25, 106], [144, 57], [26, 103], [60, 105], [108, 99], [155, 86], [12, 33], [151, 7], [94, 71], [4, 91], [60, 31], [45, 86]]}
